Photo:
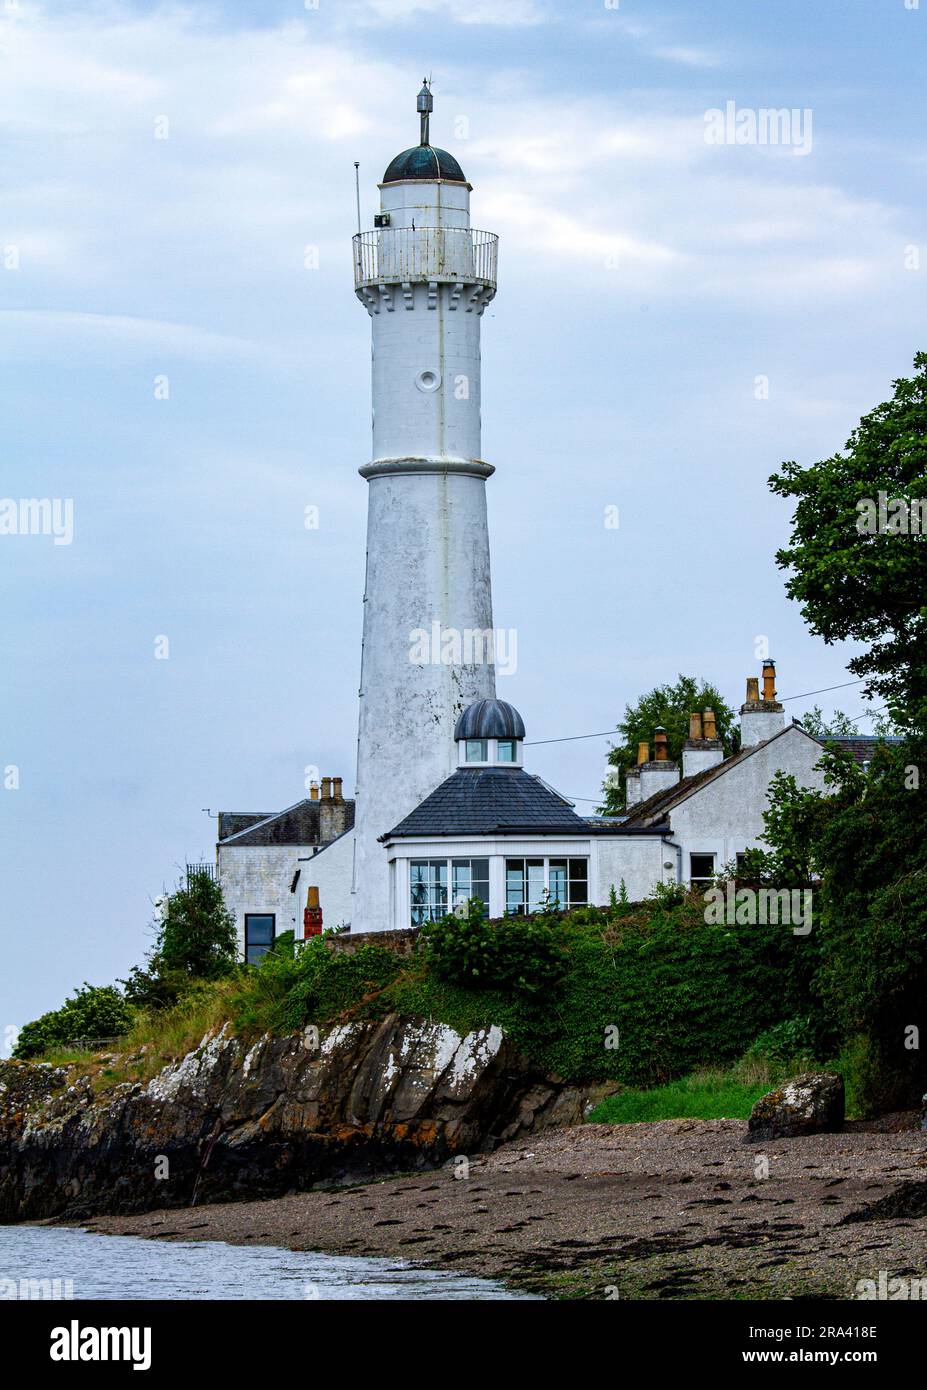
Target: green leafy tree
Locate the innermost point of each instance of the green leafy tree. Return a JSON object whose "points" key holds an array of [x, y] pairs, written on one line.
{"points": [[196, 940], [669, 706], [93, 1011], [839, 725], [865, 839], [857, 583]]}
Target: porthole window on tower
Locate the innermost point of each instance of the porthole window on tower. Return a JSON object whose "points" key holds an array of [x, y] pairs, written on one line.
{"points": [[428, 380]]}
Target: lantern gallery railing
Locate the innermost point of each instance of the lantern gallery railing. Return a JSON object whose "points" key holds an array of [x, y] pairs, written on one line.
{"points": [[403, 254]]}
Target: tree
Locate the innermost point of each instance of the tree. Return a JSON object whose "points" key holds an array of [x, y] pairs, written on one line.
{"points": [[669, 706], [858, 554], [865, 837], [93, 1011], [196, 940], [839, 725]]}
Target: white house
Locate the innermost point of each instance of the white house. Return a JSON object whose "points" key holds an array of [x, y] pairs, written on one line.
{"points": [[495, 831], [262, 860]]}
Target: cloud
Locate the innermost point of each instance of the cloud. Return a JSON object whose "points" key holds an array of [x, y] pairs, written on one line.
{"points": [[500, 13], [46, 333]]}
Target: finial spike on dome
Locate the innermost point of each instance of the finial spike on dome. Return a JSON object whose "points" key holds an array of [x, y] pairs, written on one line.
{"points": [[425, 105]]}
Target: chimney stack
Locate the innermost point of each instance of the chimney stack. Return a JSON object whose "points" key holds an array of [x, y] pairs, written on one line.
{"points": [[660, 774], [702, 749], [312, 916], [761, 717]]}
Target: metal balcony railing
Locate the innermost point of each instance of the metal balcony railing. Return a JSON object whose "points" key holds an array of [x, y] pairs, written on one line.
{"points": [[391, 255]]}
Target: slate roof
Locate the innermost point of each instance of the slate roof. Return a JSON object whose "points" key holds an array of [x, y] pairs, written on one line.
{"points": [[490, 800], [862, 746], [297, 825]]}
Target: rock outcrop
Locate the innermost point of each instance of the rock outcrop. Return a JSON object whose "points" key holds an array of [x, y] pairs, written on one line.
{"points": [[231, 1121], [812, 1103]]}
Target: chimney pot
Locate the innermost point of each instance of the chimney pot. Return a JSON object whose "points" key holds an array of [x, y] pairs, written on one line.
{"points": [[326, 789], [643, 753], [695, 726], [313, 791], [753, 690], [312, 897], [336, 788], [769, 680], [660, 748], [709, 724]]}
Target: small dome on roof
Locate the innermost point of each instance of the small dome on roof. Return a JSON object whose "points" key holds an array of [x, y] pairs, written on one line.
{"points": [[424, 162], [489, 719]]}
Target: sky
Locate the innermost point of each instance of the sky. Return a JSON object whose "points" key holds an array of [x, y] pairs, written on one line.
{"points": [[183, 359]]}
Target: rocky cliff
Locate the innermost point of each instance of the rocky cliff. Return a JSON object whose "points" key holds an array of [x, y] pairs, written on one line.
{"points": [[233, 1121]]}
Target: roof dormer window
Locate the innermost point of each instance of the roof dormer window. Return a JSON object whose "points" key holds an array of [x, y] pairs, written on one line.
{"points": [[477, 750]]}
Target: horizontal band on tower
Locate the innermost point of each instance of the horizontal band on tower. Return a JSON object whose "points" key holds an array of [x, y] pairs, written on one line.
{"points": [[476, 468]]}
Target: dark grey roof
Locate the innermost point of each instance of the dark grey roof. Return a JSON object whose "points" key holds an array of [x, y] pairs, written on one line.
{"points": [[231, 822], [862, 746], [424, 162], [297, 825], [488, 800], [490, 719]]}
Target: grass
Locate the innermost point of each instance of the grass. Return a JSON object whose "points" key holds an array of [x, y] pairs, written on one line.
{"points": [[705, 1095]]}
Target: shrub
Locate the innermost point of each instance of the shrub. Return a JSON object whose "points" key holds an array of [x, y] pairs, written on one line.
{"points": [[522, 954], [91, 1012]]}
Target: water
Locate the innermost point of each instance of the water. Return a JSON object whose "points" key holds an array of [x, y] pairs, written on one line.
{"points": [[87, 1265]]}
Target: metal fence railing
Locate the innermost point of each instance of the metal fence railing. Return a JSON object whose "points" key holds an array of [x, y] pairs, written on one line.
{"points": [[397, 254]]}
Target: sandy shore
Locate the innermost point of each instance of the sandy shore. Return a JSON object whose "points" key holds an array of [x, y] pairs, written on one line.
{"points": [[677, 1209]]}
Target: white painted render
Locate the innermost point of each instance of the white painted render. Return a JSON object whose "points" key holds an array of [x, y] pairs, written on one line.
{"points": [[657, 777], [695, 760], [427, 533], [257, 878], [725, 817], [331, 870], [757, 725]]}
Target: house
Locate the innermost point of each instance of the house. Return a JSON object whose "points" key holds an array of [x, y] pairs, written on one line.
{"points": [[495, 831], [262, 859]]}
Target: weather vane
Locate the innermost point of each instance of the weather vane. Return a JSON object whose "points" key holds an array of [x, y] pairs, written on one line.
{"points": [[425, 105]]}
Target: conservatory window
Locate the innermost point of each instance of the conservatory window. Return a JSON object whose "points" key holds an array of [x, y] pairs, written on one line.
{"points": [[428, 885], [470, 879]]}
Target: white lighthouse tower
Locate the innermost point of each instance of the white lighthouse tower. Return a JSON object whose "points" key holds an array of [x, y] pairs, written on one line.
{"points": [[425, 278]]}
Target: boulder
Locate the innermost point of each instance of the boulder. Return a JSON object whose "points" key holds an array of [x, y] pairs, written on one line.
{"points": [[812, 1103]]}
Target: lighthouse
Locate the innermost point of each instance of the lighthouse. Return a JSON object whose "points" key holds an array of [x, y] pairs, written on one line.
{"points": [[425, 277]]}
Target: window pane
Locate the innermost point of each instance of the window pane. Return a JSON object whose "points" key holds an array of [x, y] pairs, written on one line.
{"points": [[477, 750], [515, 885], [535, 869], [557, 882], [260, 929], [505, 750], [701, 866], [259, 935]]}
